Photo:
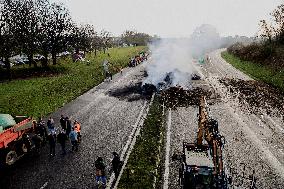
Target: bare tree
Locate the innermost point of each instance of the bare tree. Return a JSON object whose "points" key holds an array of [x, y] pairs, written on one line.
{"points": [[266, 31], [278, 15]]}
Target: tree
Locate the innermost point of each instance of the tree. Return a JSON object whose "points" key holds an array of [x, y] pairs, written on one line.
{"points": [[267, 31], [105, 40], [55, 26], [97, 42], [81, 37], [27, 29], [135, 38], [278, 15], [8, 41]]}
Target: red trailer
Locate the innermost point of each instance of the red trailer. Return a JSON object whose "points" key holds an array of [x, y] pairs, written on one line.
{"points": [[14, 137]]}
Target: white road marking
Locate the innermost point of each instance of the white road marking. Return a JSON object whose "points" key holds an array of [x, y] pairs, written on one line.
{"points": [[131, 142], [168, 144], [44, 185]]}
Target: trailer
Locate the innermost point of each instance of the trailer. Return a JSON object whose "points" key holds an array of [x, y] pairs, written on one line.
{"points": [[15, 138]]}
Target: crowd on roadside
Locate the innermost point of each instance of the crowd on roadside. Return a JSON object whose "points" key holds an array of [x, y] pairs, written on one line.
{"points": [[72, 132], [138, 59], [53, 135]]}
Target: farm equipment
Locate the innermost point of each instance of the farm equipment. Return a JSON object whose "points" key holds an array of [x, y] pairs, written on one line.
{"points": [[15, 138], [202, 164]]}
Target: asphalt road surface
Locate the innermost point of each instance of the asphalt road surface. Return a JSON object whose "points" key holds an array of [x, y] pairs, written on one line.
{"points": [[253, 142], [108, 114]]}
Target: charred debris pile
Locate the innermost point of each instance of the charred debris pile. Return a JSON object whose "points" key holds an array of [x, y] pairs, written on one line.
{"points": [[174, 97], [258, 95]]}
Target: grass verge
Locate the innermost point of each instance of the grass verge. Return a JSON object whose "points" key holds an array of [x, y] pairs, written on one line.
{"points": [[142, 163], [257, 71], [43, 95]]}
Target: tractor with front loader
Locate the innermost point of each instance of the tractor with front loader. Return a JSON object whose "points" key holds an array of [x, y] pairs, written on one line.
{"points": [[202, 164]]}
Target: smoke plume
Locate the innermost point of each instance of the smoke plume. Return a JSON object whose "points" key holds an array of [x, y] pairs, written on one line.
{"points": [[170, 56]]}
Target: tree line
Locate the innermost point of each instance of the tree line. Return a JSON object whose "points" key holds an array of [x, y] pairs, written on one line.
{"points": [[40, 27], [267, 50]]}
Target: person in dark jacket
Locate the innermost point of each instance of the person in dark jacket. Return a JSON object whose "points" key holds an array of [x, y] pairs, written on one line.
{"points": [[41, 131], [50, 124], [61, 138], [37, 140], [63, 122], [100, 170], [52, 142], [116, 164], [68, 126]]}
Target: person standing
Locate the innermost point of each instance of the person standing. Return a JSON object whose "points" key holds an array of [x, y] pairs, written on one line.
{"points": [[74, 139], [77, 128], [50, 125], [61, 138], [68, 126], [52, 141], [41, 131], [63, 122], [100, 170], [116, 164]]}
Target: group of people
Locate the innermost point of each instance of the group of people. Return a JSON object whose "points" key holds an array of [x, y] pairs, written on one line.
{"points": [[134, 61], [100, 168], [73, 132], [67, 130]]}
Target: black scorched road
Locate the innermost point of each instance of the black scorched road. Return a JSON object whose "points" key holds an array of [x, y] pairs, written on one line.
{"points": [[107, 121]]}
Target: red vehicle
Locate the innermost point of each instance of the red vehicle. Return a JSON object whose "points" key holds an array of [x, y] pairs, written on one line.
{"points": [[15, 134]]}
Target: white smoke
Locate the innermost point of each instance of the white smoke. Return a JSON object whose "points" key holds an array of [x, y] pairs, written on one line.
{"points": [[170, 56]]}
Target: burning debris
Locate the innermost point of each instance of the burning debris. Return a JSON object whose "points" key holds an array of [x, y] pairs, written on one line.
{"points": [[195, 77], [179, 97], [257, 94], [133, 92]]}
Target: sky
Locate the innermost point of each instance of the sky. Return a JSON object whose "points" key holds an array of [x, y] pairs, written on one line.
{"points": [[172, 18]]}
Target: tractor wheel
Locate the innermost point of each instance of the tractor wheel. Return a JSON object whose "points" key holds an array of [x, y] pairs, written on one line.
{"points": [[11, 157]]}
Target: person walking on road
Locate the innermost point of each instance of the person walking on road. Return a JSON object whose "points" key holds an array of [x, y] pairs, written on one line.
{"points": [[116, 164], [41, 131], [50, 125], [61, 138], [63, 122], [68, 126], [77, 128], [74, 139], [52, 142], [100, 171]]}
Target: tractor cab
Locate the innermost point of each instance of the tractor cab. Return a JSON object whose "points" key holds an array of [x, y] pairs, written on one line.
{"points": [[197, 167]]}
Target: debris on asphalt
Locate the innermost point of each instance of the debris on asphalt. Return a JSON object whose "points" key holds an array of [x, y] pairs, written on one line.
{"points": [[179, 97], [133, 92], [195, 77], [259, 95]]}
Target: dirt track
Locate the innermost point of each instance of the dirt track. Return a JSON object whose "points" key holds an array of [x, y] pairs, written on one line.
{"points": [[253, 141]]}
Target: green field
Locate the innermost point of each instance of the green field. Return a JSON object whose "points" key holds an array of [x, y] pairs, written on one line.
{"points": [[43, 95], [140, 169], [257, 71]]}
